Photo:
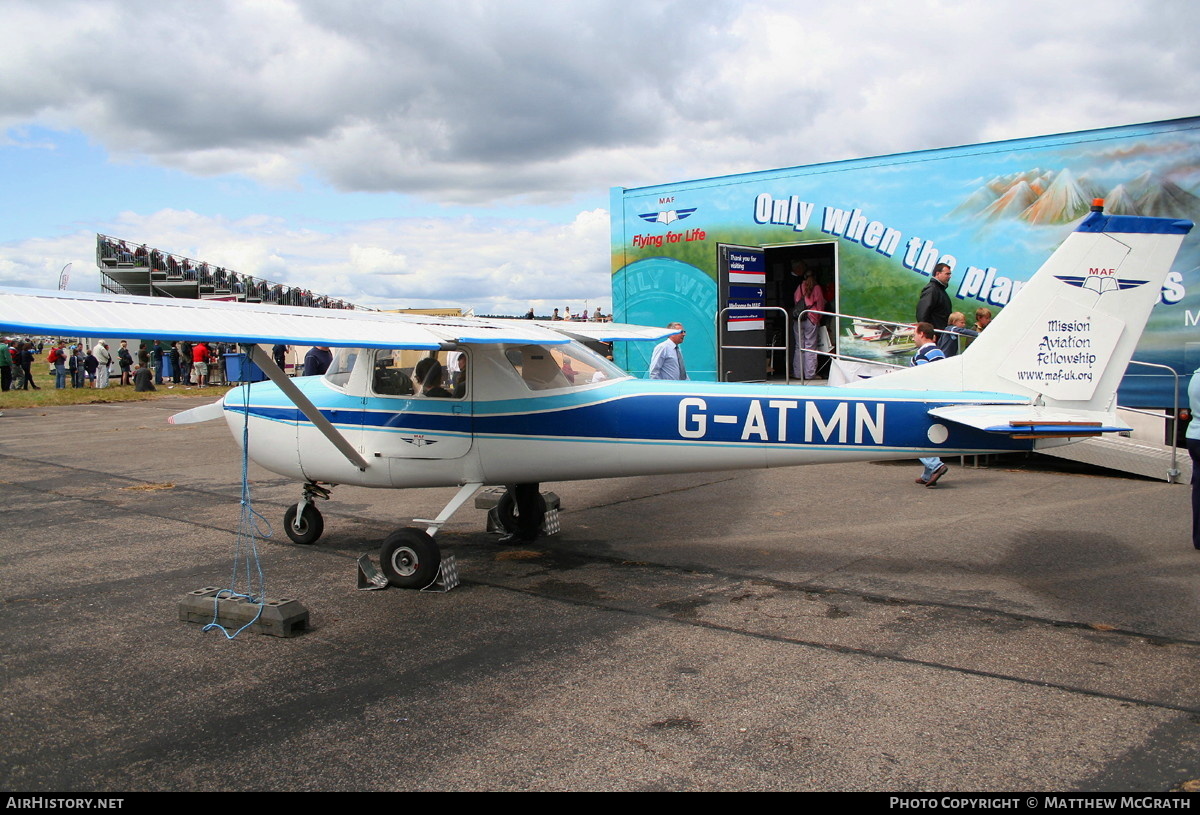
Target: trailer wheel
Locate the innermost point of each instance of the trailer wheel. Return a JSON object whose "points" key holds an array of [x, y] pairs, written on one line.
{"points": [[409, 559]]}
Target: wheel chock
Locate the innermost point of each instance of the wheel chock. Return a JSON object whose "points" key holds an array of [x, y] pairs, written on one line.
{"points": [[489, 499], [285, 617], [447, 576], [369, 576], [371, 579], [551, 524]]}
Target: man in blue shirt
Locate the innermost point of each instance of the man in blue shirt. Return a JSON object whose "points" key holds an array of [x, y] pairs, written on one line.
{"points": [[667, 362], [928, 351]]}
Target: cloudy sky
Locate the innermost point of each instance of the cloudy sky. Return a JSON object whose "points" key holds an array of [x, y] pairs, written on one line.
{"points": [[460, 153]]}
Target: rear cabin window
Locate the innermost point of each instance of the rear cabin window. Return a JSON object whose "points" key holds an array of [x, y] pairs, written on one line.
{"points": [[549, 367]]}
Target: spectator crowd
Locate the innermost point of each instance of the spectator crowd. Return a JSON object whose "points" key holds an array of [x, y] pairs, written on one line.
{"points": [[152, 363]]}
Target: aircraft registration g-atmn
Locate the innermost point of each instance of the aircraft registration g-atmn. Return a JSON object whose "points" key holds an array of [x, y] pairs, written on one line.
{"points": [[532, 404]]}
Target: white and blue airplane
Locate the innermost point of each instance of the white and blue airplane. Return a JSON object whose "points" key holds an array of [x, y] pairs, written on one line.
{"points": [[532, 404]]}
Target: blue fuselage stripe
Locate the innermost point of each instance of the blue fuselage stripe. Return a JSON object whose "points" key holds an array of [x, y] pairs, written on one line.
{"points": [[707, 419]]}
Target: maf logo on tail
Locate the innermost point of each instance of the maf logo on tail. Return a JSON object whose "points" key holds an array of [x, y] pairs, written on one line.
{"points": [[1101, 280]]}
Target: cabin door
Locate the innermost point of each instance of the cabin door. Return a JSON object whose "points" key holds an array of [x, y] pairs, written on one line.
{"points": [[417, 406]]}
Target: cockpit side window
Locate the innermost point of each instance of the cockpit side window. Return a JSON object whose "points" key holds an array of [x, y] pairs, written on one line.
{"points": [[389, 380], [419, 374]]}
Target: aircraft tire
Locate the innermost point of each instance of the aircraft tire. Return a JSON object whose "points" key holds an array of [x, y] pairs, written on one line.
{"points": [[311, 525], [409, 558], [507, 509]]}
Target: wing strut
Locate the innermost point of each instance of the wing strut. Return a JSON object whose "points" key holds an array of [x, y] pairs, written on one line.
{"points": [[460, 498], [263, 360]]}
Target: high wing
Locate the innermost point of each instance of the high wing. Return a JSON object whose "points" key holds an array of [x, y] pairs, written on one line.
{"points": [[111, 315], [605, 332], [59, 313]]}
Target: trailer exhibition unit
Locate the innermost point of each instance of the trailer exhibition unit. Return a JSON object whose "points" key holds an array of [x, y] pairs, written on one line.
{"points": [[872, 230]]}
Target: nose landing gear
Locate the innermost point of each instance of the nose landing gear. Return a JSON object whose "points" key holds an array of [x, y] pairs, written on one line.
{"points": [[303, 523]]}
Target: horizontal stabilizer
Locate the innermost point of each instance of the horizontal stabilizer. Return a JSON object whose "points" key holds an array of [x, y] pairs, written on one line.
{"points": [[1029, 421], [204, 413]]}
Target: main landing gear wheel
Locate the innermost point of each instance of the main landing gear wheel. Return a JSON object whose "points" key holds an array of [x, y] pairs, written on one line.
{"points": [[409, 559], [307, 528], [521, 511]]}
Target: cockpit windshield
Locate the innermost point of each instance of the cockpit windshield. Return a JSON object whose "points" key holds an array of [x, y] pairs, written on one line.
{"points": [[343, 363]]}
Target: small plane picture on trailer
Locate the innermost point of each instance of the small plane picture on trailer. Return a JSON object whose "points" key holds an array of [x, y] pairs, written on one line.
{"points": [[416, 401]]}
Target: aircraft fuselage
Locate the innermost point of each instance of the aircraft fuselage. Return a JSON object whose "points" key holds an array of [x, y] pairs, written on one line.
{"points": [[606, 429]]}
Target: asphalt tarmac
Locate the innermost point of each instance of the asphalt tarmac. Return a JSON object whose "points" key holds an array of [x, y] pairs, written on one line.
{"points": [[826, 628]]}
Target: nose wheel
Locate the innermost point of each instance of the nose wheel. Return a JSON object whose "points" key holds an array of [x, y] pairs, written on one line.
{"points": [[303, 527], [302, 522]]}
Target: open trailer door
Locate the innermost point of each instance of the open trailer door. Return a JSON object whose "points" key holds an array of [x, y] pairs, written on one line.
{"points": [[741, 321]]}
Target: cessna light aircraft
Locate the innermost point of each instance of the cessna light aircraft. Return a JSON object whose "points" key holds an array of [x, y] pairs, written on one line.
{"points": [[532, 404]]}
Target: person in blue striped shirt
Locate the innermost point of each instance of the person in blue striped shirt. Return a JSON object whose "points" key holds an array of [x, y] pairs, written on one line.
{"points": [[928, 351]]}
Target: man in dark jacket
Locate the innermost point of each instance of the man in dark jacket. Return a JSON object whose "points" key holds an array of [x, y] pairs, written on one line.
{"points": [[934, 305], [142, 380], [317, 360]]}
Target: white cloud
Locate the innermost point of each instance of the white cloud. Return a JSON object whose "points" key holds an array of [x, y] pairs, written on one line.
{"points": [[37, 262], [461, 101]]}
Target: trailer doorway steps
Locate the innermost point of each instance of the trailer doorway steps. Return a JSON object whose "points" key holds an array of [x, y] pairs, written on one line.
{"points": [[1127, 456]]}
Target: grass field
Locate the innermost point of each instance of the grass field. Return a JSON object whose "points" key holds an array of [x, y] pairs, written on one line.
{"points": [[115, 392]]}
